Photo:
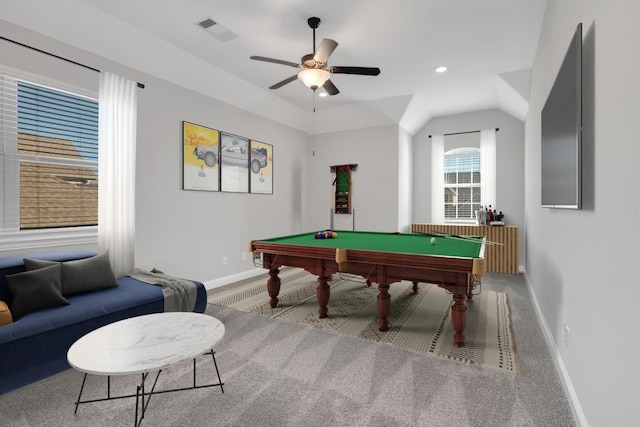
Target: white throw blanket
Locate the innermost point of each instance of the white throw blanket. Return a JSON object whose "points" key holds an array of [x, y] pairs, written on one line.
{"points": [[179, 294]]}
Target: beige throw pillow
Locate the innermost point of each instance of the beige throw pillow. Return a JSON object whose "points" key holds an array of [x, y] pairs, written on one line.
{"points": [[5, 314]]}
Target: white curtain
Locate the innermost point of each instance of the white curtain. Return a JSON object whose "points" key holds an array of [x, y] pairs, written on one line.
{"points": [[437, 179], [488, 167], [117, 164]]}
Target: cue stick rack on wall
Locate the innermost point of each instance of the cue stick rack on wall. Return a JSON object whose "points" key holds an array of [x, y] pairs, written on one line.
{"points": [[342, 188]]}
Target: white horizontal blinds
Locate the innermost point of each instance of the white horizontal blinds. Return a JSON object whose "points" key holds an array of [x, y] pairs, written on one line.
{"points": [[58, 158], [10, 189], [57, 124], [462, 183]]}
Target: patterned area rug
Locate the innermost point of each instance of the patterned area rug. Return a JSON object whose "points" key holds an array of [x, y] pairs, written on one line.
{"points": [[418, 322]]}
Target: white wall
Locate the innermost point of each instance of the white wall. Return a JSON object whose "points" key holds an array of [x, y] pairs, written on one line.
{"points": [[189, 232], [509, 161], [184, 233], [582, 265], [374, 183]]}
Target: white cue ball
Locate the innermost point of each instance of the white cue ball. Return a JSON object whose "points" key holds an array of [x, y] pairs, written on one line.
{"points": [[433, 240]]}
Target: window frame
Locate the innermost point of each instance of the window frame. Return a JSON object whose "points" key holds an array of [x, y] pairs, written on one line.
{"points": [[12, 238], [459, 153]]}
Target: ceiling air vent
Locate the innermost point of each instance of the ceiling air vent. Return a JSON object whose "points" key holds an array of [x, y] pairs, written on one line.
{"points": [[207, 23], [218, 31]]}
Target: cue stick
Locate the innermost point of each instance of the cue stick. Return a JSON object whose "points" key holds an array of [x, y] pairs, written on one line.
{"points": [[458, 237]]}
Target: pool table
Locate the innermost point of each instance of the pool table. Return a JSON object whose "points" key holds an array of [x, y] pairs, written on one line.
{"points": [[451, 262]]}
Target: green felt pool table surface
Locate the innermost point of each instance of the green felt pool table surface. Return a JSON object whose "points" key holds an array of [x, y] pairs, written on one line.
{"points": [[419, 244]]}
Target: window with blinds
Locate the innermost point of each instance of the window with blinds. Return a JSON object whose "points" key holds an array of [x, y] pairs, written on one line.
{"points": [[52, 157], [461, 183]]}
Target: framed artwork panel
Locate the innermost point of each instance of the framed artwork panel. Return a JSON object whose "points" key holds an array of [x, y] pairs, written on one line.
{"points": [[261, 164], [234, 163], [200, 154]]}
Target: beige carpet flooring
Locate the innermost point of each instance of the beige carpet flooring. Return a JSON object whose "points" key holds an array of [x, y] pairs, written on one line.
{"points": [[419, 322], [283, 374]]}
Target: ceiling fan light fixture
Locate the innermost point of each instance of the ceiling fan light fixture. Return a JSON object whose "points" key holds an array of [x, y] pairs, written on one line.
{"points": [[313, 78]]}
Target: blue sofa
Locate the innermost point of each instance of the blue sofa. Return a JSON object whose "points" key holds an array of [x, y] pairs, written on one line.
{"points": [[35, 346]]}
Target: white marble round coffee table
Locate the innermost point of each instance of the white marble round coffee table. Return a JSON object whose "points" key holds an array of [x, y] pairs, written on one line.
{"points": [[146, 343]]}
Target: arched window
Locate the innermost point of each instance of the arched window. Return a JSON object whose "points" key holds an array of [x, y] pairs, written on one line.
{"points": [[462, 183]]}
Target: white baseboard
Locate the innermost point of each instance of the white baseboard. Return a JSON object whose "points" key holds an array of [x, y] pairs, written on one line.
{"points": [[216, 283], [576, 408]]}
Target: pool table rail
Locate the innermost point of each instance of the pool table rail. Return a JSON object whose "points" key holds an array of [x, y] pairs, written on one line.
{"points": [[307, 255]]}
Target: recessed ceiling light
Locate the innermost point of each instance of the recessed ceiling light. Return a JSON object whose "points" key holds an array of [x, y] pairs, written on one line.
{"points": [[441, 69], [322, 94]]}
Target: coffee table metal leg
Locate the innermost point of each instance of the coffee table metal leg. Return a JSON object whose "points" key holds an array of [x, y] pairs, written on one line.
{"points": [[213, 355], [135, 422], [141, 403], [194, 373], [80, 395]]}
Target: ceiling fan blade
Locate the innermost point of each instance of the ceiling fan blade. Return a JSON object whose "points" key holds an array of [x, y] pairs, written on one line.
{"points": [[330, 88], [276, 61], [284, 82], [326, 48], [364, 71]]}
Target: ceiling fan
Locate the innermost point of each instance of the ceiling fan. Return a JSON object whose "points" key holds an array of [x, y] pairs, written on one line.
{"points": [[315, 72]]}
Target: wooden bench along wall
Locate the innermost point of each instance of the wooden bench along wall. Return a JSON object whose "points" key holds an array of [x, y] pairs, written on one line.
{"points": [[498, 259]]}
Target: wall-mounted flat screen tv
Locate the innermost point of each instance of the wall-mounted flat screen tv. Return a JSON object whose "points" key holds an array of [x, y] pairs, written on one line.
{"points": [[562, 133]]}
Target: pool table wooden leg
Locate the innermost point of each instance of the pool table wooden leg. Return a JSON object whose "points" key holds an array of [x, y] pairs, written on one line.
{"points": [[474, 280], [322, 295], [459, 318], [384, 304], [273, 286], [415, 287]]}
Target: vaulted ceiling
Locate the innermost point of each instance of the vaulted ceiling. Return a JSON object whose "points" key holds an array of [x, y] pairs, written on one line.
{"points": [[488, 47]]}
